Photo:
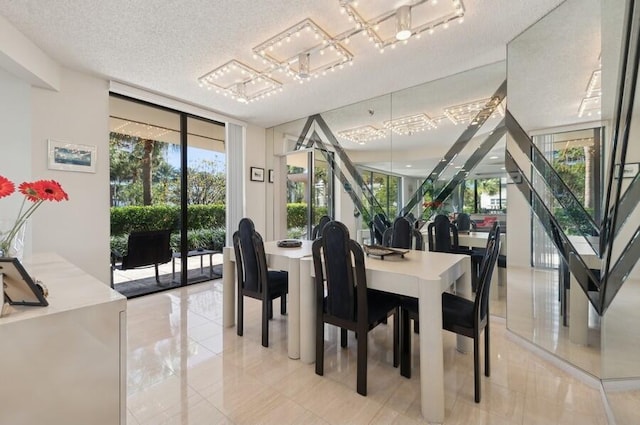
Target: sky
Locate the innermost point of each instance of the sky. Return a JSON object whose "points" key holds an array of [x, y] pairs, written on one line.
{"points": [[195, 156]]}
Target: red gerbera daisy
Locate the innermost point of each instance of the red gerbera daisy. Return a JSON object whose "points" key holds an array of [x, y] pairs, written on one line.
{"points": [[50, 190], [6, 187], [30, 191]]}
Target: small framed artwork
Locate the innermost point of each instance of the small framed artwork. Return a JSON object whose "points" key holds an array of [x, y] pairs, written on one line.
{"points": [[257, 174], [71, 157], [270, 176]]}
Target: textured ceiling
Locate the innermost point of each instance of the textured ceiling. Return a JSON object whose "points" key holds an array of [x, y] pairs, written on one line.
{"points": [[165, 45]]}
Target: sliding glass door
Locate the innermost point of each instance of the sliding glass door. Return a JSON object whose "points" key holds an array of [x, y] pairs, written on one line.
{"points": [[168, 173]]}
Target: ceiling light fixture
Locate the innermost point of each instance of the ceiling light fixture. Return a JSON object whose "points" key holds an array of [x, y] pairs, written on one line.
{"points": [[305, 50], [403, 23], [240, 82], [303, 65], [364, 134], [468, 112], [307, 43], [590, 103], [385, 28], [406, 126]]}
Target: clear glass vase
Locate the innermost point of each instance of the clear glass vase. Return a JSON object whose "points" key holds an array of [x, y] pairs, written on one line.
{"points": [[11, 246]]}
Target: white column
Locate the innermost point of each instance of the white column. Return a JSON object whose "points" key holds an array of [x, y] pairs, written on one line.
{"points": [[235, 147]]}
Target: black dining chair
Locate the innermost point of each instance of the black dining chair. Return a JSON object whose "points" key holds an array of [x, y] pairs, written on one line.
{"points": [[478, 255], [402, 234], [459, 315], [463, 222], [255, 280], [377, 228], [443, 236], [342, 296], [144, 249], [317, 229]]}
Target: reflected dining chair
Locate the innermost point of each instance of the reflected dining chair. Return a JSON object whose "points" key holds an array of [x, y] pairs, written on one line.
{"points": [[316, 232], [443, 236], [463, 222], [460, 315], [342, 296], [402, 234], [255, 280]]}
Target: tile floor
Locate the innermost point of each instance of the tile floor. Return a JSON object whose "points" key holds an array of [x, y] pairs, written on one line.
{"points": [[185, 368]]}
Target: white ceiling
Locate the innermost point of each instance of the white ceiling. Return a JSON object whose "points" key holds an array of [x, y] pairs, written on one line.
{"points": [[165, 45]]}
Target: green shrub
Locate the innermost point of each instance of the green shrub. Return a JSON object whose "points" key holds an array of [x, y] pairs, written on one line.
{"points": [[124, 220]]}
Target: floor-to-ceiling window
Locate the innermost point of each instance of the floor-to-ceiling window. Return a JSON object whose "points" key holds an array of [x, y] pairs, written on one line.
{"points": [[167, 172]]}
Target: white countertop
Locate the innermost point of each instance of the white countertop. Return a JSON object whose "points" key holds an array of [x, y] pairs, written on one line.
{"points": [[69, 288]]}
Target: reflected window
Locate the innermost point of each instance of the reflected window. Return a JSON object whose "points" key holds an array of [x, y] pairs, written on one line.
{"points": [[485, 196], [385, 190]]}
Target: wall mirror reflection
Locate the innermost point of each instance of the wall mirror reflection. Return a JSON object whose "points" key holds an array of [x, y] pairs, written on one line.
{"points": [[389, 154]]}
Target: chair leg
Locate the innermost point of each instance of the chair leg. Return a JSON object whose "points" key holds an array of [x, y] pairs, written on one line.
{"points": [[239, 326], [267, 309], [476, 366], [362, 363], [283, 304], [319, 346], [157, 274], [343, 337], [396, 337], [405, 344], [487, 353], [565, 319]]}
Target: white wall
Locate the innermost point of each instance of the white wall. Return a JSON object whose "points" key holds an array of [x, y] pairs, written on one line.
{"points": [[256, 192], [15, 122], [78, 229]]}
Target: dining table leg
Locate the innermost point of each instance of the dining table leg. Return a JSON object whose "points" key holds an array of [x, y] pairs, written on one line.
{"points": [[228, 289], [431, 354], [293, 309], [307, 313]]}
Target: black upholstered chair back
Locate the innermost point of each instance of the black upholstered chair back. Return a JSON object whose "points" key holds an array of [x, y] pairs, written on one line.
{"points": [[486, 272], [335, 250], [463, 222], [317, 229], [443, 235], [251, 262], [401, 237], [378, 226], [147, 248], [402, 234]]}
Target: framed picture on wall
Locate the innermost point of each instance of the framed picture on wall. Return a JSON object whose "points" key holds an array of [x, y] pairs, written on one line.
{"points": [[270, 176], [71, 157], [257, 174]]}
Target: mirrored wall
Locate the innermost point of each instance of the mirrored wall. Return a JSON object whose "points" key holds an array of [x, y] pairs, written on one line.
{"points": [[386, 147], [562, 79]]}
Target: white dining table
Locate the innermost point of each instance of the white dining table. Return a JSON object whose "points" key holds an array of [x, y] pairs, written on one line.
{"points": [[479, 240], [286, 259], [421, 274]]}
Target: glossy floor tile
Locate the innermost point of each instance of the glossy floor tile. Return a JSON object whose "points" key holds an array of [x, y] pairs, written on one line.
{"points": [[184, 368]]}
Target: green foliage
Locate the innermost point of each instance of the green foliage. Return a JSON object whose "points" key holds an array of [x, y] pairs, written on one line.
{"points": [[578, 225], [124, 220], [296, 215]]}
